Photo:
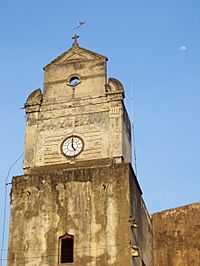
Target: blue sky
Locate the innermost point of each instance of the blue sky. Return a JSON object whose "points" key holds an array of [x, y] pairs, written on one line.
{"points": [[142, 40]]}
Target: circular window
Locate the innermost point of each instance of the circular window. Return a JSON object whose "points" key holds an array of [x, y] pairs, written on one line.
{"points": [[74, 81]]}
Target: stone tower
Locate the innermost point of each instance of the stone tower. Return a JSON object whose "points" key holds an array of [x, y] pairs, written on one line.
{"points": [[78, 202]]}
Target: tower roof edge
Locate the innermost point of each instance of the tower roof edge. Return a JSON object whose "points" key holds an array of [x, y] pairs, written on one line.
{"points": [[76, 50]]}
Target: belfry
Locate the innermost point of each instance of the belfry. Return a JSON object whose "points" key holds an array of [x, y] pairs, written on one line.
{"points": [[79, 201]]}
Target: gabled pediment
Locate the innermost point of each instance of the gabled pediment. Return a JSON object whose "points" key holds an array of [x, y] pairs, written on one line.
{"points": [[75, 54]]}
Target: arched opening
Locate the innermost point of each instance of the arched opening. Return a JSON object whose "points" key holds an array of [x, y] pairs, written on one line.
{"points": [[66, 248]]}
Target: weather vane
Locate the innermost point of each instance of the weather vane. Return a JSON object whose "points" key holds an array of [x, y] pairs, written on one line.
{"points": [[75, 37], [80, 23]]}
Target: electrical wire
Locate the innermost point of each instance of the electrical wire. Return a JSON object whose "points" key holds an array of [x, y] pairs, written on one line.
{"points": [[80, 250], [51, 249], [4, 210]]}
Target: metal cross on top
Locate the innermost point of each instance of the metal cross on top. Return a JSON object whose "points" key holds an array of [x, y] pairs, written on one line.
{"points": [[75, 38]]}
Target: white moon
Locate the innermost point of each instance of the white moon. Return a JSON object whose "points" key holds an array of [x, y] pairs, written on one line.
{"points": [[183, 48]]}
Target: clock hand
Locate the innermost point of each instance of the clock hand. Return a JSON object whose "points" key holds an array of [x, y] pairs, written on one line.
{"points": [[73, 145]]}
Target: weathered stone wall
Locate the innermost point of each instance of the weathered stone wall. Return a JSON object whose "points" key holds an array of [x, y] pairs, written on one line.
{"points": [[93, 204], [141, 231], [176, 236], [127, 145]]}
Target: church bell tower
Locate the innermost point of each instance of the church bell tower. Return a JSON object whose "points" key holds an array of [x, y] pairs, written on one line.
{"points": [[78, 202], [80, 116]]}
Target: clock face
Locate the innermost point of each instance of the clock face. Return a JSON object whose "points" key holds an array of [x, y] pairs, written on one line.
{"points": [[72, 146]]}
